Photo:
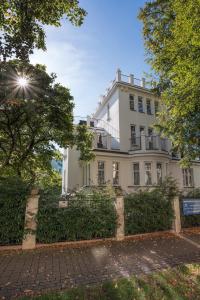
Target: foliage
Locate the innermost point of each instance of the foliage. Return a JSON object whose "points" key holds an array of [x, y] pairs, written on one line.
{"points": [[177, 283], [191, 220], [13, 196], [150, 211], [172, 39], [22, 23], [90, 214], [34, 119]]}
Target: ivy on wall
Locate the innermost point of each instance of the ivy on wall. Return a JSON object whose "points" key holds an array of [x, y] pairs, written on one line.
{"points": [[13, 196], [90, 214], [147, 212]]}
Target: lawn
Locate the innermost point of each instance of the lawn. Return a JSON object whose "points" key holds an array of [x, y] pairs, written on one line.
{"points": [[178, 283]]}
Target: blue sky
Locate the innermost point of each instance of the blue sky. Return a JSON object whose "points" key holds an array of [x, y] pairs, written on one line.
{"points": [[85, 58]]}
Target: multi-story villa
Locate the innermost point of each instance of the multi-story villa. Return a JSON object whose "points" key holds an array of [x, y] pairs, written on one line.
{"points": [[128, 151]]}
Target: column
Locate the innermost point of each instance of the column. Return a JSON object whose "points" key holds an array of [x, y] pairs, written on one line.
{"points": [[119, 205], [143, 141], [131, 79], [118, 75], [30, 226], [177, 220]]}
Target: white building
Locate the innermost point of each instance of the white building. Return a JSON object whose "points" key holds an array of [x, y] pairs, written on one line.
{"points": [[127, 150]]}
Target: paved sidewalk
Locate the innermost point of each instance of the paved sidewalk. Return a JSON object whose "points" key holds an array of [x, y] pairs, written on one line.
{"points": [[56, 269]]}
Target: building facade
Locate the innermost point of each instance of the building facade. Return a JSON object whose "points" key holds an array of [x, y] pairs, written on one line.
{"points": [[128, 151]]}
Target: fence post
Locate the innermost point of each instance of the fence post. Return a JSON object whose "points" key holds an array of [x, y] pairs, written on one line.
{"points": [[30, 226], [177, 219], [119, 204]]}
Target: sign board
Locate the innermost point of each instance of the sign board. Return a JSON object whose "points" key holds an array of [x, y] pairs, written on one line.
{"points": [[191, 206], [63, 204]]}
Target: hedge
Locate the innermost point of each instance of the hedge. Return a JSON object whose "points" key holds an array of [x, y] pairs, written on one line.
{"points": [[13, 196], [193, 220], [147, 212], [90, 214]]}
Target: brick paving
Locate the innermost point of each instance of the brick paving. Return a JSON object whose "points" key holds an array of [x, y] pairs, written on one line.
{"points": [[56, 269]]}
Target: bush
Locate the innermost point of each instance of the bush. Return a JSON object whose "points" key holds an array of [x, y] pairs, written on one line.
{"points": [[150, 211], [192, 220], [90, 214], [13, 196]]}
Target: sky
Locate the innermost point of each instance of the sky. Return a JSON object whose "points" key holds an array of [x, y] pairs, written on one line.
{"points": [[86, 58]]}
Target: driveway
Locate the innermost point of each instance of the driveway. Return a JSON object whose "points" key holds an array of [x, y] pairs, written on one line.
{"points": [[61, 268]]}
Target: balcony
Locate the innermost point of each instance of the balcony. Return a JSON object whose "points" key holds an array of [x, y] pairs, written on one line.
{"points": [[149, 143], [105, 141], [135, 143]]}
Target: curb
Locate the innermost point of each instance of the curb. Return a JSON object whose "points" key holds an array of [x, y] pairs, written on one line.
{"points": [[88, 243]]}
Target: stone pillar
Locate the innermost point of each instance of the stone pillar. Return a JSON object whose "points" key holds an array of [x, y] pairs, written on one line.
{"points": [[177, 220], [131, 79], [29, 239], [118, 75], [143, 82], [119, 205], [158, 142], [143, 141]]}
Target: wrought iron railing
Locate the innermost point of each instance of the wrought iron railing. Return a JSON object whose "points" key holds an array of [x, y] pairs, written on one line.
{"points": [[135, 143]]}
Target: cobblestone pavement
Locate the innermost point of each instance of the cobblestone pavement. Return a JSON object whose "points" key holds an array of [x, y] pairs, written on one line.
{"points": [[56, 269]]}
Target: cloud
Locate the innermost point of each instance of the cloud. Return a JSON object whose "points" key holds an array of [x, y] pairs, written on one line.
{"points": [[68, 62]]}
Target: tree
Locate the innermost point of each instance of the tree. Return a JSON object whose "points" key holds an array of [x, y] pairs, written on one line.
{"points": [[171, 31], [21, 23], [33, 118]]}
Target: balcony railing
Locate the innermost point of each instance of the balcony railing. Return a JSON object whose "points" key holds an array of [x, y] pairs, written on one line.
{"points": [[105, 141], [135, 143], [152, 142], [146, 143], [102, 142]]}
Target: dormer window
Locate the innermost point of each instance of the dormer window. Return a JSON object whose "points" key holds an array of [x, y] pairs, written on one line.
{"points": [[131, 102], [140, 104]]}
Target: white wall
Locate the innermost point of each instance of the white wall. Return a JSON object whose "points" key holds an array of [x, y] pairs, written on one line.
{"points": [[169, 168], [128, 117], [73, 178], [111, 125]]}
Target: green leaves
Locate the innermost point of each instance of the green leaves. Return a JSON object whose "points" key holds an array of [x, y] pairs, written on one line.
{"points": [[150, 211], [33, 119], [22, 23], [90, 214], [13, 196], [172, 37]]}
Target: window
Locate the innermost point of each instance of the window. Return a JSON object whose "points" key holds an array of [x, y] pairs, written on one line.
{"points": [[140, 104], [101, 172], [115, 173], [148, 106], [150, 131], [133, 135], [136, 174], [131, 102], [142, 129], [108, 112], [159, 173], [156, 107], [148, 180], [188, 177]]}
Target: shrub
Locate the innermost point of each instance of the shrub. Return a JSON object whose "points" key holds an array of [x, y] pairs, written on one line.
{"points": [[13, 196], [192, 220], [150, 211], [90, 214]]}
